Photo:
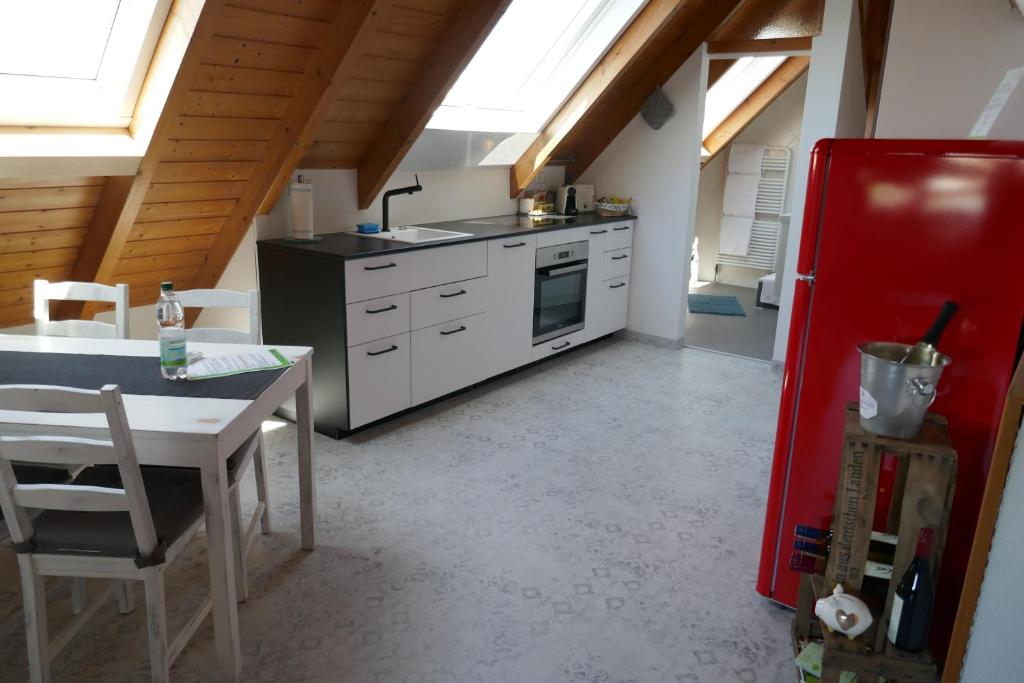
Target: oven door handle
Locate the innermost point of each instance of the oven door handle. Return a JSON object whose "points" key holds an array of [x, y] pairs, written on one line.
{"points": [[562, 271]]}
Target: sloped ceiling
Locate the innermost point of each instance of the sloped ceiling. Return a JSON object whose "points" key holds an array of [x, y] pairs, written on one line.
{"points": [[267, 85]]}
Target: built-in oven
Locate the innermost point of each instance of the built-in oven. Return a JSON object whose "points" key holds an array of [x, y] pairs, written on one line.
{"points": [[560, 290]]}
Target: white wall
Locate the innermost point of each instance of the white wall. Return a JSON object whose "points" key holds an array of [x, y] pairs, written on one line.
{"points": [[993, 652], [833, 107], [778, 126], [659, 169], [944, 61]]}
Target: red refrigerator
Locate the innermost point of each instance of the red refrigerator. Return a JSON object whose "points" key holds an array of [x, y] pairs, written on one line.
{"points": [[891, 229]]}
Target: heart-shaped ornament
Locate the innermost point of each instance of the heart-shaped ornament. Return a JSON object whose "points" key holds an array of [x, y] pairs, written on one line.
{"points": [[845, 620]]}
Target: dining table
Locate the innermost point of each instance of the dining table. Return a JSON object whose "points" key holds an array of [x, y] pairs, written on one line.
{"points": [[182, 423]]}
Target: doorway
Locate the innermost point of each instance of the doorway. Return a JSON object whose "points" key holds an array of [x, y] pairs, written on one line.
{"points": [[752, 122]]}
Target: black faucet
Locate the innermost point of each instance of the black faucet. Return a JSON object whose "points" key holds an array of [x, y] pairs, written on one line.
{"points": [[398, 190]]}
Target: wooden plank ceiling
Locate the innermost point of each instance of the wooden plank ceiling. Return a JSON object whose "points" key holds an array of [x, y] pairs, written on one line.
{"points": [[266, 86]]}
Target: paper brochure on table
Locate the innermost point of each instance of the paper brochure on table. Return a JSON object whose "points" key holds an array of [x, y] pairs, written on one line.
{"points": [[237, 363]]}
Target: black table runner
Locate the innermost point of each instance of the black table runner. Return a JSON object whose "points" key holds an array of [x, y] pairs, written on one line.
{"points": [[134, 374]]}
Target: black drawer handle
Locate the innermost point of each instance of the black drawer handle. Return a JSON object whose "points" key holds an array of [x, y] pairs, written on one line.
{"points": [[621, 284], [387, 265], [457, 329], [513, 246], [624, 227], [560, 346], [598, 232], [458, 293], [619, 257], [381, 310], [382, 351]]}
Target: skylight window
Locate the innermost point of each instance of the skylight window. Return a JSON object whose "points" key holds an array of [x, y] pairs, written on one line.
{"points": [[75, 63], [530, 63], [735, 86]]}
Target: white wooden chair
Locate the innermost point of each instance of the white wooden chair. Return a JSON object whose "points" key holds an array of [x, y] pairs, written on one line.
{"points": [[239, 462], [121, 523], [46, 291]]}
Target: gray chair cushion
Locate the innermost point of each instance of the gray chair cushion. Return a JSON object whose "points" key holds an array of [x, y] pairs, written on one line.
{"points": [[175, 499]]}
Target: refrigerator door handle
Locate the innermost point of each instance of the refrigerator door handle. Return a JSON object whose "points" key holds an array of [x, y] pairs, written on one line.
{"points": [[805, 278]]}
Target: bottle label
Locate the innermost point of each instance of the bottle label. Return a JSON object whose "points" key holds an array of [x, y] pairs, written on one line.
{"points": [[894, 618], [868, 404], [172, 351]]}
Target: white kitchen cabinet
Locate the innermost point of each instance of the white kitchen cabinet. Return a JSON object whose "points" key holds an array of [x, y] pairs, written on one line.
{"points": [[617, 263], [611, 302], [510, 269], [377, 276], [449, 357], [559, 344], [620, 236], [378, 379], [377, 318], [447, 302]]}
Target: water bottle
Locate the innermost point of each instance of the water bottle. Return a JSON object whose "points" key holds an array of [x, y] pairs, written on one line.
{"points": [[170, 320]]}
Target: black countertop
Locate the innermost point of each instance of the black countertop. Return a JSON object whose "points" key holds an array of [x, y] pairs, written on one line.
{"points": [[347, 246]]}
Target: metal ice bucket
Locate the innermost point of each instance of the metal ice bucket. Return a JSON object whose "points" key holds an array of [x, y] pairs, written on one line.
{"points": [[895, 396]]}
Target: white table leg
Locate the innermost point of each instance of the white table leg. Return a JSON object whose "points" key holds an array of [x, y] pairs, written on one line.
{"points": [[222, 571], [307, 483]]}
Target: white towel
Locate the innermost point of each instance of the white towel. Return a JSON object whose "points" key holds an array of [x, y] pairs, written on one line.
{"points": [[734, 237], [745, 159], [740, 195]]}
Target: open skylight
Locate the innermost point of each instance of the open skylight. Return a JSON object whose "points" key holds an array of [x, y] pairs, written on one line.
{"points": [[75, 62], [531, 62], [735, 86]]}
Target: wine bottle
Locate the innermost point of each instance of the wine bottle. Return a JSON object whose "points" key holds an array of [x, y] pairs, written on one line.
{"points": [[913, 600]]}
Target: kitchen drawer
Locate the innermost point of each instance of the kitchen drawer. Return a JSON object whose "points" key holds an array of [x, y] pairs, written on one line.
{"points": [[619, 236], [377, 318], [547, 239], [553, 346], [448, 302], [448, 357], [377, 276], [378, 379], [616, 263]]}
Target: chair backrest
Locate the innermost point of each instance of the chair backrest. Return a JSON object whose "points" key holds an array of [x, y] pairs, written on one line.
{"points": [[45, 292], [118, 450], [223, 298]]}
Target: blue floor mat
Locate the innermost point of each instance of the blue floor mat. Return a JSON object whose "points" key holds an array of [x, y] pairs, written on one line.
{"points": [[715, 304]]}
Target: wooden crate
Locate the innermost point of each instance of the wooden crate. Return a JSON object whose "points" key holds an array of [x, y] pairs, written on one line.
{"points": [[922, 497], [842, 654]]}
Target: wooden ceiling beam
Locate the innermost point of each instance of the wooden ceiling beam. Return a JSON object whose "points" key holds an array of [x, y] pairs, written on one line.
{"points": [[470, 27], [759, 46], [122, 198], [784, 76], [772, 19], [352, 31], [874, 41], [609, 71], [366, 18]]}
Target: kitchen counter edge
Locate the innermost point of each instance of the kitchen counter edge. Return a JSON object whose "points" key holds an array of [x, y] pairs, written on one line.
{"points": [[345, 246]]}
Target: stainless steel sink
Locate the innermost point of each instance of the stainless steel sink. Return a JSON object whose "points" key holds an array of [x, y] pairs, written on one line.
{"points": [[413, 234]]}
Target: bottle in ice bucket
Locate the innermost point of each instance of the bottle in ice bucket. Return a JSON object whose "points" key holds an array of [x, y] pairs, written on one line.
{"points": [[170, 320]]}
